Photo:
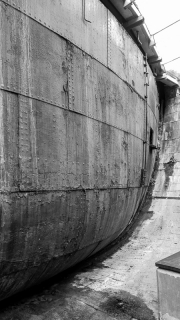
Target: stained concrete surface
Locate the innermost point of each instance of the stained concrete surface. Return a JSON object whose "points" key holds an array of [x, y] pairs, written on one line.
{"points": [[118, 283]]}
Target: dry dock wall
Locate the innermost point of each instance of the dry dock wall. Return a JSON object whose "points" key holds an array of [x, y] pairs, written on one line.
{"points": [[74, 128], [168, 177]]}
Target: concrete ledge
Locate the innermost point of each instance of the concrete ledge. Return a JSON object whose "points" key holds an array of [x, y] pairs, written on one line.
{"points": [[171, 263]]}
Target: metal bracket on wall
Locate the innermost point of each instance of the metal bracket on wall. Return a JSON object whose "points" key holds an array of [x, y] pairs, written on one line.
{"points": [[133, 23], [152, 147], [138, 38], [128, 3], [87, 10]]}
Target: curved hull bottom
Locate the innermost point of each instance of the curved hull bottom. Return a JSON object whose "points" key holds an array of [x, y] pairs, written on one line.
{"points": [[20, 275], [24, 279]]}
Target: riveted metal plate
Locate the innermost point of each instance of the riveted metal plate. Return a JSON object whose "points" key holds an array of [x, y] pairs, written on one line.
{"points": [[135, 155], [9, 160], [135, 111], [40, 55], [116, 47], [42, 153], [102, 38], [135, 68], [27, 145], [102, 95], [109, 45], [153, 94], [91, 37], [124, 57]]}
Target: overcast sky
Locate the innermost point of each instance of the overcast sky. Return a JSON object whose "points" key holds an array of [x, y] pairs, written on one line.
{"points": [[159, 14]]}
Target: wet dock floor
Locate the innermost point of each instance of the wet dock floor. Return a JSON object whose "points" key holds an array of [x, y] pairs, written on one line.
{"points": [[117, 283]]}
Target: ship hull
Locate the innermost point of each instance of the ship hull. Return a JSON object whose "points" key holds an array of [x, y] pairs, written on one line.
{"points": [[75, 126]]}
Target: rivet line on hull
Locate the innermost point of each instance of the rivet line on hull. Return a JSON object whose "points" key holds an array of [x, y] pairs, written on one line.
{"points": [[24, 12], [7, 192], [50, 102]]}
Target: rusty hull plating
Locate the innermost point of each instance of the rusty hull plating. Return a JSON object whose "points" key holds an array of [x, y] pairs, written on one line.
{"points": [[75, 122]]}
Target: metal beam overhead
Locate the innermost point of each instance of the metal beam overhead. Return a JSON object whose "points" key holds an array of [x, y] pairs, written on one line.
{"points": [[135, 22]]}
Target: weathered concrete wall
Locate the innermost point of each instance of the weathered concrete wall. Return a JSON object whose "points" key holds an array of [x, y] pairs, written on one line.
{"points": [[74, 128], [168, 178]]}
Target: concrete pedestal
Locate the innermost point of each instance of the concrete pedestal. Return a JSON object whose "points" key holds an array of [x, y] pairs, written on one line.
{"points": [[168, 282], [168, 294]]}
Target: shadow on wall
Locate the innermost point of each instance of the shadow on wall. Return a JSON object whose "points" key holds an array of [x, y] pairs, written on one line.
{"points": [[168, 169]]}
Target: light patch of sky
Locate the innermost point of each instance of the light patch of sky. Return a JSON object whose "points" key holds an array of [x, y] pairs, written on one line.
{"points": [[159, 14]]}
